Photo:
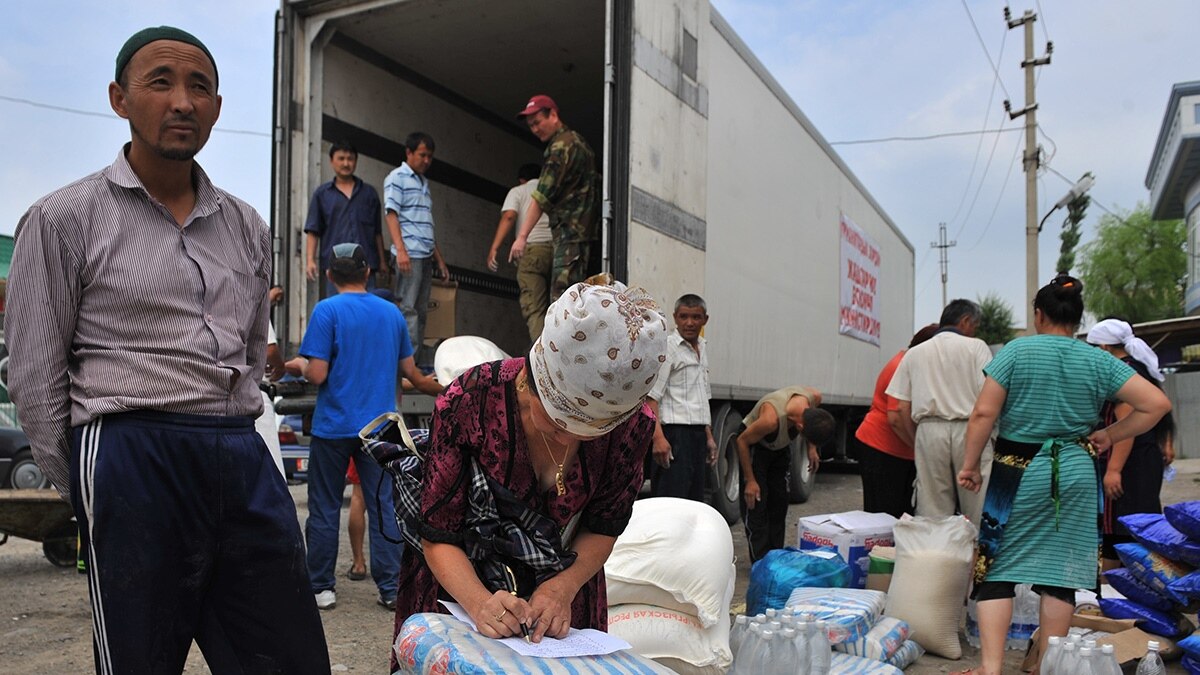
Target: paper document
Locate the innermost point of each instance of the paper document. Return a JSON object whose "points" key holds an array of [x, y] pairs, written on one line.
{"points": [[585, 642]]}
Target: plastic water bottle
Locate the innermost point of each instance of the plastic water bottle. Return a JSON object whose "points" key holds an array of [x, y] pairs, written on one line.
{"points": [[786, 657], [767, 653], [1169, 473], [771, 612], [1108, 661], [1151, 663], [803, 650], [746, 649], [1087, 662], [1049, 664], [736, 634], [1068, 660], [820, 652]]}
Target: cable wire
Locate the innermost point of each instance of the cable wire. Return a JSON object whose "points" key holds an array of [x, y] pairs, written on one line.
{"points": [[999, 197], [987, 115], [985, 50], [111, 116], [948, 134]]}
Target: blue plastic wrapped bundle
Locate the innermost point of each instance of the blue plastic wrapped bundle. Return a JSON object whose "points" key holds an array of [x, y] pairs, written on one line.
{"points": [[1129, 586], [1156, 534], [779, 572], [848, 613], [1155, 570], [439, 643], [883, 640], [907, 655], [1186, 589], [1185, 517], [1166, 624]]}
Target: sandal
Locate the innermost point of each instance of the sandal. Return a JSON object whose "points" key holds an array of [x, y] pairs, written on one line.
{"points": [[356, 576]]}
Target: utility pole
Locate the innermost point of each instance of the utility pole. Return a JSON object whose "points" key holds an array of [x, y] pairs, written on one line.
{"points": [[1031, 159], [943, 260]]}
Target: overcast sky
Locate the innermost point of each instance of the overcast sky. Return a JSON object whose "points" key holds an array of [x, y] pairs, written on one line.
{"points": [[860, 69]]}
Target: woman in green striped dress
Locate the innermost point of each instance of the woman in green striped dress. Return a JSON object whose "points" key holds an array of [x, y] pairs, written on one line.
{"points": [[1040, 521]]}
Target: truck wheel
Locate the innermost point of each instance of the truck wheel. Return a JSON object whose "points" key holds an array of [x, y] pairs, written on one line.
{"points": [[725, 479], [60, 552], [801, 481]]}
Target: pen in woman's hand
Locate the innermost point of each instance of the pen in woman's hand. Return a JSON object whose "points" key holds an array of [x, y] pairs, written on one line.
{"points": [[512, 589]]}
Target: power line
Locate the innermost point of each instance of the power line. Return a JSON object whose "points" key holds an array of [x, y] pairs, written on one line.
{"points": [[987, 115], [930, 137], [1095, 201], [999, 198], [111, 116], [986, 53], [979, 189]]}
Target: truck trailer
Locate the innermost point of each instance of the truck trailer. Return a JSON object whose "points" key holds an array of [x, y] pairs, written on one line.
{"points": [[714, 181]]}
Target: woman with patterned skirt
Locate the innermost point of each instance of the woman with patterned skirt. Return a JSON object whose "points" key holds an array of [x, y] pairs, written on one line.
{"points": [[1040, 520]]}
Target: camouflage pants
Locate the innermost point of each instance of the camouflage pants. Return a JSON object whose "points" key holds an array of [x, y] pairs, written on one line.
{"points": [[533, 276], [570, 265]]}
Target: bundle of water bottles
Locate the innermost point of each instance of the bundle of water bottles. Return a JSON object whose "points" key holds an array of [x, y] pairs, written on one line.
{"points": [[1073, 656], [779, 642]]}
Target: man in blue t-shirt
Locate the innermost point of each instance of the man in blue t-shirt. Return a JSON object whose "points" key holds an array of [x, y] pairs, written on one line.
{"points": [[354, 345]]}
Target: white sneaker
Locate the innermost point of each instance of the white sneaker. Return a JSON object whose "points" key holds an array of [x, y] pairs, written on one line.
{"points": [[326, 600]]}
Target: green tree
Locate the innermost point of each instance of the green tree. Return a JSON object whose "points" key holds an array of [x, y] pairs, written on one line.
{"points": [[1076, 211], [1135, 267], [996, 323]]}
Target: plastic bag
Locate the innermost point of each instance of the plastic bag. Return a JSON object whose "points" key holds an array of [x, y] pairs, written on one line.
{"points": [[845, 664], [1156, 534], [1186, 589], [779, 572], [1169, 625], [1191, 644], [907, 655], [1185, 517], [881, 642], [1128, 585], [1191, 664], [848, 613], [1154, 570], [929, 584]]}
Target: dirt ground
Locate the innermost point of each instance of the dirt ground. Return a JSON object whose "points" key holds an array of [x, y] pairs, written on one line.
{"points": [[46, 626]]}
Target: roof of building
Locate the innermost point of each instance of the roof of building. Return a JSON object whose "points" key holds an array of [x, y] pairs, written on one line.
{"points": [[1167, 193]]}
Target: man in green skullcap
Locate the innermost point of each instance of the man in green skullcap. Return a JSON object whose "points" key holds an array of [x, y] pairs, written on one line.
{"points": [[137, 307]]}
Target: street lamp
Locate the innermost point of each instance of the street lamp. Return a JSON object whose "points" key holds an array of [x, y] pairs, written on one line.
{"points": [[1083, 185]]}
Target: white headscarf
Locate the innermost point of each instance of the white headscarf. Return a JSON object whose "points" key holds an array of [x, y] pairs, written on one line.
{"points": [[598, 356], [1117, 332]]}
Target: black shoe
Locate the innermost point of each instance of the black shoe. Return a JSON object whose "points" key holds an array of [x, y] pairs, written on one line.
{"points": [[387, 603]]}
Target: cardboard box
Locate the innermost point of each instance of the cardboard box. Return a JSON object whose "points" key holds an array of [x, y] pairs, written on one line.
{"points": [[1129, 643], [440, 319], [853, 534]]}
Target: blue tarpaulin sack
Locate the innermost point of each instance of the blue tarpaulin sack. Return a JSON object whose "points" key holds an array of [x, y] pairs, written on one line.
{"points": [[1166, 624], [1153, 569], [1129, 586], [1185, 517], [783, 570], [1156, 534], [1185, 590]]}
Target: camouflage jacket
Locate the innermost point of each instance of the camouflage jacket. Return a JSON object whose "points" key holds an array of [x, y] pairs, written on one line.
{"points": [[569, 188]]}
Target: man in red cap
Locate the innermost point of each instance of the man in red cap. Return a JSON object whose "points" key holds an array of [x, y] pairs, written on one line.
{"points": [[568, 190]]}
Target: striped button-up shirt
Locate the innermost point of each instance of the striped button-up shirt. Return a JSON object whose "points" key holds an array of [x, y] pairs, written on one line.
{"points": [[112, 307], [682, 389], [407, 195]]}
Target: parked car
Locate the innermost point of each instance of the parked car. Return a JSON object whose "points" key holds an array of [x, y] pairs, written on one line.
{"points": [[293, 446], [17, 468]]}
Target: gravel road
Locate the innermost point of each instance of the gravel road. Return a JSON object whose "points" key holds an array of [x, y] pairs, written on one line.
{"points": [[47, 629]]}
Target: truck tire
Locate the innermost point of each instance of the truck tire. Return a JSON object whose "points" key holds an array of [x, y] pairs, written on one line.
{"points": [[725, 478], [25, 473], [800, 481]]}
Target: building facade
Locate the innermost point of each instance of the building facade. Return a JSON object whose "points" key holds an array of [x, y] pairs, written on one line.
{"points": [[1174, 177]]}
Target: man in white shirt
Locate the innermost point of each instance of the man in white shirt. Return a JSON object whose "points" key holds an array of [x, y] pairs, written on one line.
{"points": [[683, 440], [533, 269], [936, 385]]}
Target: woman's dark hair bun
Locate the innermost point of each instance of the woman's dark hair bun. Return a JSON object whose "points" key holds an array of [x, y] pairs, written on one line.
{"points": [[1066, 286]]}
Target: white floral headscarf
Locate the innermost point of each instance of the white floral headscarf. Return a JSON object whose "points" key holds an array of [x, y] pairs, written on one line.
{"points": [[598, 356]]}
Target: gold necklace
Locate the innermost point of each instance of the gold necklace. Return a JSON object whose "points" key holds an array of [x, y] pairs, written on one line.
{"points": [[558, 475]]}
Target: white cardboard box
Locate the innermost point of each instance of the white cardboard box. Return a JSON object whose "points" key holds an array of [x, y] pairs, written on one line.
{"points": [[853, 534]]}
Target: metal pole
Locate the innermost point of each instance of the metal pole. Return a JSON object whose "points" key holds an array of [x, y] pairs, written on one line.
{"points": [[943, 258]]}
